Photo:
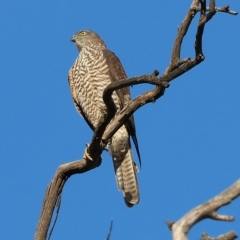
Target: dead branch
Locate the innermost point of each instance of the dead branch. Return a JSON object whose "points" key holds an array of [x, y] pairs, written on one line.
{"points": [[208, 209], [110, 122], [227, 236], [222, 9]]}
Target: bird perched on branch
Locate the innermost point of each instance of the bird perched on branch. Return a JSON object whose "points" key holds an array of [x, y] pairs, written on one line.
{"points": [[94, 69]]}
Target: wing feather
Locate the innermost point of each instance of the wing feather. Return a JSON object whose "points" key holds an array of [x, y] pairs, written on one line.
{"points": [[75, 100], [117, 73]]}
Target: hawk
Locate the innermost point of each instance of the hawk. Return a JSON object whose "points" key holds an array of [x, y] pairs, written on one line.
{"points": [[94, 69]]}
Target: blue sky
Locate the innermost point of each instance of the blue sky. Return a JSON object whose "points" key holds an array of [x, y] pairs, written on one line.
{"points": [[189, 139]]}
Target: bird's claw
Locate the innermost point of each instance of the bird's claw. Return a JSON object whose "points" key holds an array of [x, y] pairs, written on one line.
{"points": [[87, 155]]}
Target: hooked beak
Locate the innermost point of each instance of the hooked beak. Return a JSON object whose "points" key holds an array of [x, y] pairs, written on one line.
{"points": [[73, 39]]}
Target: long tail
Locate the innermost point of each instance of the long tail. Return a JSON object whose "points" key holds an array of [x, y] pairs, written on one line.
{"points": [[124, 166]]}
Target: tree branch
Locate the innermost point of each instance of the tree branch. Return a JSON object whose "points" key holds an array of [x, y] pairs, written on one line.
{"points": [[227, 236], [222, 9], [54, 190], [209, 209]]}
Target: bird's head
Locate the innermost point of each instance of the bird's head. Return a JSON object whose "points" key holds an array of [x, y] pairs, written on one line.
{"points": [[87, 38]]}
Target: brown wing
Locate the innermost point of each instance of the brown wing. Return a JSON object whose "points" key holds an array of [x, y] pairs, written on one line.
{"points": [[74, 96], [117, 73]]}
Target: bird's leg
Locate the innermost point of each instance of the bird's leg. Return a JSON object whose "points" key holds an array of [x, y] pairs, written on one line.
{"points": [[86, 154]]}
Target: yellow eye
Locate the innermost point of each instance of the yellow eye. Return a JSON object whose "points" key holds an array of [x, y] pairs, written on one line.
{"points": [[82, 33]]}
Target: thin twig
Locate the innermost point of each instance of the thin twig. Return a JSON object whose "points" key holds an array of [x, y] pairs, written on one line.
{"points": [[58, 205], [110, 230], [221, 9]]}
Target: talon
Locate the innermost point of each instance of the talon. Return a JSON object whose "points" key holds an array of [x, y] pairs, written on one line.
{"points": [[86, 154], [136, 168]]}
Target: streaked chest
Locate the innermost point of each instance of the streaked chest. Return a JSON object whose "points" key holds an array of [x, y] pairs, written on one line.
{"points": [[91, 77]]}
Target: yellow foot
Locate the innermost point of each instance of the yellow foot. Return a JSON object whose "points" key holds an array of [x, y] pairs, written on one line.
{"points": [[86, 154]]}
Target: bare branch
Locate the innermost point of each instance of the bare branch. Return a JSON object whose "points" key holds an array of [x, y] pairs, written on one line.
{"points": [[181, 228], [227, 236], [57, 205], [216, 216], [55, 189], [225, 9], [212, 12]]}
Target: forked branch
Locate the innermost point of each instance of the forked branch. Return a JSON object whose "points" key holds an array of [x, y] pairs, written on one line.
{"points": [[227, 236], [209, 209]]}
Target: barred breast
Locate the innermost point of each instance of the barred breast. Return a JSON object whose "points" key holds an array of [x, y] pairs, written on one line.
{"points": [[91, 78]]}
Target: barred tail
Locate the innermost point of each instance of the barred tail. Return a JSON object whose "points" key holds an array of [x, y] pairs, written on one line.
{"points": [[125, 170]]}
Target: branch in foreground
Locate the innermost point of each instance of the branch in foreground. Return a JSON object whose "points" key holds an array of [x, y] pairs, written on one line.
{"points": [[227, 236], [209, 209]]}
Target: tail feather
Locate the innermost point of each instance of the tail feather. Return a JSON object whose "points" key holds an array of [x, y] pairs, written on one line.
{"points": [[131, 191], [118, 173], [124, 166], [125, 171]]}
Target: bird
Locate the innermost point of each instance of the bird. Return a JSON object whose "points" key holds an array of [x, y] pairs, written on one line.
{"points": [[93, 70]]}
